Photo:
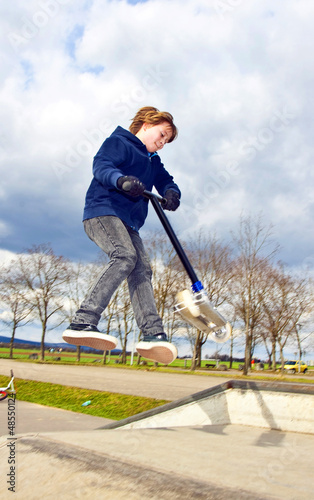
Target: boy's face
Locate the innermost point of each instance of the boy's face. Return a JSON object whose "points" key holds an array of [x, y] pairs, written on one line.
{"points": [[155, 136]]}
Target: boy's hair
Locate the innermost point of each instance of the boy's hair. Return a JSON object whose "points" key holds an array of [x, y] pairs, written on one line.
{"points": [[151, 115]]}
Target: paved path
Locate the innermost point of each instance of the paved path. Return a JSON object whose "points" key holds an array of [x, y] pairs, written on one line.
{"points": [[169, 386], [34, 418]]}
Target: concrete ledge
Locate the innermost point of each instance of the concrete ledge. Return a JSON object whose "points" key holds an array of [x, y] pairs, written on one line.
{"points": [[278, 406]]}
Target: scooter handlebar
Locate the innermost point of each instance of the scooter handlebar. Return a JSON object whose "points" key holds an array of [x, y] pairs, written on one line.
{"points": [[126, 186], [150, 195]]}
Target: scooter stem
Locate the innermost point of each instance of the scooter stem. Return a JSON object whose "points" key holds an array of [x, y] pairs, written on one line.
{"points": [[157, 201]]}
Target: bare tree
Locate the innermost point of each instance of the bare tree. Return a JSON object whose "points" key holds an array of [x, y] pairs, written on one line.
{"points": [[300, 338], [233, 338], [199, 340], [285, 303], [44, 276], [255, 248], [17, 311], [80, 278], [124, 317], [110, 318], [213, 264], [166, 279]]}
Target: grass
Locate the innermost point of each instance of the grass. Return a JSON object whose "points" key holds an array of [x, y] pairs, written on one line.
{"points": [[103, 404]]}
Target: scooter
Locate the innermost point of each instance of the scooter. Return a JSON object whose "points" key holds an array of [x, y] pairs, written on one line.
{"points": [[192, 305]]}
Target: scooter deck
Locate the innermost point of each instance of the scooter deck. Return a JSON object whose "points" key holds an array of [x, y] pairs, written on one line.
{"points": [[197, 310]]}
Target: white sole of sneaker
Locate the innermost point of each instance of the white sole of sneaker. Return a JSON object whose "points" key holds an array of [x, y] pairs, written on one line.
{"points": [[161, 352], [99, 341]]}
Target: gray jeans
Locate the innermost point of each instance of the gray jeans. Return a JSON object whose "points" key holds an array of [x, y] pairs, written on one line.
{"points": [[128, 260]]}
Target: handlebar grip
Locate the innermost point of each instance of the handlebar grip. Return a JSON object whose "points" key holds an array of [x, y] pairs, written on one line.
{"points": [[126, 186]]}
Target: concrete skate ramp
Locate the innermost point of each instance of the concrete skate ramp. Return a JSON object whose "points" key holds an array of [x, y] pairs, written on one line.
{"points": [[271, 405]]}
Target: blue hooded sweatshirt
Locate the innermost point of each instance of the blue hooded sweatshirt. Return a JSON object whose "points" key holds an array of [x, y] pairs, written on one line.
{"points": [[124, 154]]}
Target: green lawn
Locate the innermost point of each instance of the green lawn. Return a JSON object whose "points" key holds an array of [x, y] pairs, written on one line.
{"points": [[103, 404]]}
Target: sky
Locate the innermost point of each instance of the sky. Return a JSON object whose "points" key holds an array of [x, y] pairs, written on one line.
{"points": [[237, 75]]}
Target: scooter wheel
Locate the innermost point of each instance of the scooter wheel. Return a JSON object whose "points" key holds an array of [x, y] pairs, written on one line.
{"points": [[223, 334]]}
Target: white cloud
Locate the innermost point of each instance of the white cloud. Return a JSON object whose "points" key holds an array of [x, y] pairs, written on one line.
{"points": [[237, 76]]}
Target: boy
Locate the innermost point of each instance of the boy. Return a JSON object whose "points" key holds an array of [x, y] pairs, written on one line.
{"points": [[127, 164]]}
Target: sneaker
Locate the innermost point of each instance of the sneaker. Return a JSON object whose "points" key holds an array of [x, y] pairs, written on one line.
{"points": [[89, 336], [157, 348]]}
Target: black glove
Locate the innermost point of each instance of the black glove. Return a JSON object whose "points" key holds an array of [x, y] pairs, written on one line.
{"points": [[131, 185], [173, 200]]}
